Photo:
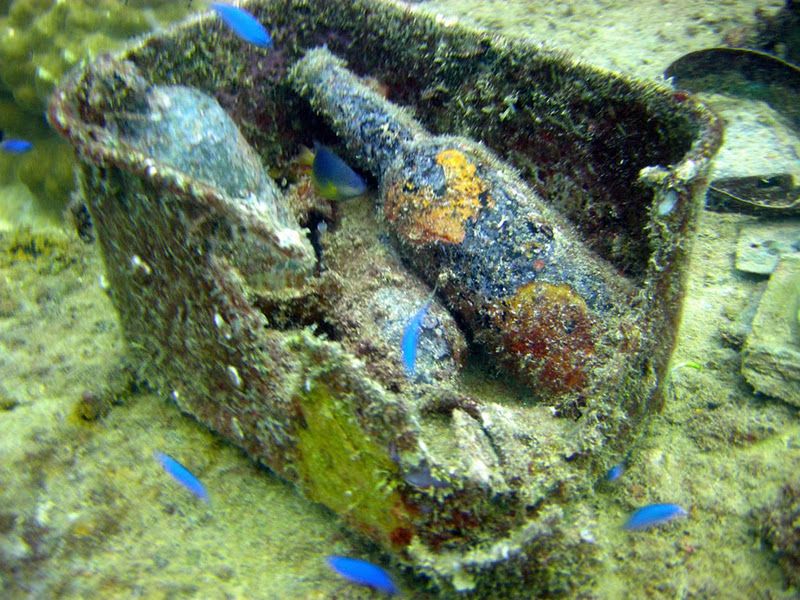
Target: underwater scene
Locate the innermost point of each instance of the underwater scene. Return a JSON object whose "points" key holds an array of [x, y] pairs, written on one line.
{"points": [[372, 298]]}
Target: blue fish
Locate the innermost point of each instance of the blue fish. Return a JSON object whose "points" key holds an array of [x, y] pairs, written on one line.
{"points": [[182, 475], [243, 24], [653, 514], [333, 178], [422, 477], [15, 146], [363, 573], [615, 472], [411, 339]]}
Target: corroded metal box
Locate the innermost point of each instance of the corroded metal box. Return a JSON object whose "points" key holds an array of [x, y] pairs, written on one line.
{"points": [[467, 478]]}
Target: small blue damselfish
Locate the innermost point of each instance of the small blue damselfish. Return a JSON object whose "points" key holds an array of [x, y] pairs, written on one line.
{"points": [[243, 24], [15, 146], [615, 472], [652, 515], [363, 573], [182, 475], [411, 339]]}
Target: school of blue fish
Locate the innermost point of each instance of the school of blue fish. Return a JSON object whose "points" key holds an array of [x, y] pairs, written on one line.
{"points": [[335, 180]]}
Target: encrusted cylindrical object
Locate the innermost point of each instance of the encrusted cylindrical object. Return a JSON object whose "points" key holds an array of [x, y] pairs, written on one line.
{"points": [[511, 268]]}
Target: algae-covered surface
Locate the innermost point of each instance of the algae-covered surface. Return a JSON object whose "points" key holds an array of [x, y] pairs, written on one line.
{"points": [[40, 40], [86, 511]]}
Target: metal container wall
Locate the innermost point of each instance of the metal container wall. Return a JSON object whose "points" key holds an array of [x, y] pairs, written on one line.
{"points": [[479, 491]]}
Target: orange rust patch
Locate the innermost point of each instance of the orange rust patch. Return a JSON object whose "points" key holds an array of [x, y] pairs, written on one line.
{"points": [[549, 332], [422, 216]]}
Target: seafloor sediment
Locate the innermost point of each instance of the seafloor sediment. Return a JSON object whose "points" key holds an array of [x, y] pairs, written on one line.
{"points": [[86, 512]]}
